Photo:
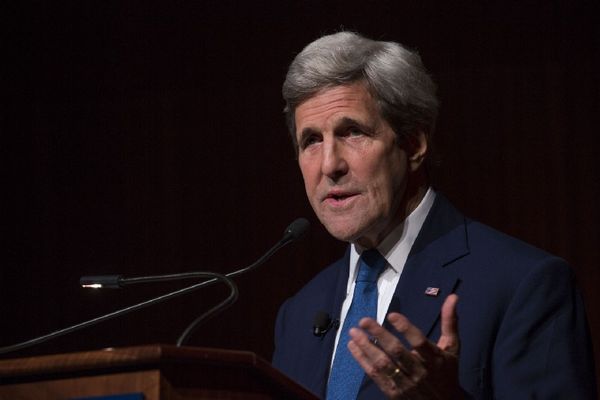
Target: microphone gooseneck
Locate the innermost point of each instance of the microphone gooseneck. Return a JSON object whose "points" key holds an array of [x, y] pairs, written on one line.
{"points": [[61, 332], [293, 232]]}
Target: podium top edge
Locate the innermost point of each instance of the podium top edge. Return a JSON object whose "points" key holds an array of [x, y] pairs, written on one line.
{"points": [[114, 358]]}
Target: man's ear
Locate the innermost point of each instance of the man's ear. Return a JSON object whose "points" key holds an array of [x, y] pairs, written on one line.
{"points": [[417, 149]]}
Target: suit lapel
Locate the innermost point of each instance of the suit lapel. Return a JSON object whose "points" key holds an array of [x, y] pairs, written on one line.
{"points": [[333, 308], [441, 241]]}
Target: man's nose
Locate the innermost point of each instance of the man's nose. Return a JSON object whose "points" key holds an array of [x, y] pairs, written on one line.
{"points": [[333, 163]]}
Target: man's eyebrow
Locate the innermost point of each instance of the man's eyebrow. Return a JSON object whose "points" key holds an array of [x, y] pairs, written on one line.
{"points": [[307, 132], [347, 121], [343, 123]]}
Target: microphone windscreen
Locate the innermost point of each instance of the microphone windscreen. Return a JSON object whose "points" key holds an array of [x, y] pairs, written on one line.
{"points": [[322, 320], [296, 229]]}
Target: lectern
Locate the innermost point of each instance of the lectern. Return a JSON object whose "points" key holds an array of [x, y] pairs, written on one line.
{"points": [[155, 372]]}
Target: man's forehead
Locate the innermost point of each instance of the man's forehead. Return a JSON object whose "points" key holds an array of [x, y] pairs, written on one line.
{"points": [[335, 105]]}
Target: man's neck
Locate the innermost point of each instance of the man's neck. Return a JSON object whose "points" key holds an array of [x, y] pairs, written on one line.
{"points": [[410, 201]]}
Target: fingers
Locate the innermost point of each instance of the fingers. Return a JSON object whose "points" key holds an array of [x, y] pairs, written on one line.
{"points": [[373, 359], [426, 350], [385, 339], [449, 339], [424, 371], [374, 353], [387, 355], [411, 333]]}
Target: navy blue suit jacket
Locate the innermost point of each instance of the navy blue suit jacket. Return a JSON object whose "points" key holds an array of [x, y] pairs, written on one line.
{"points": [[522, 324]]}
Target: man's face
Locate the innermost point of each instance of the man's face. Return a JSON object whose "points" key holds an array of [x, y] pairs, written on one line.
{"points": [[355, 173]]}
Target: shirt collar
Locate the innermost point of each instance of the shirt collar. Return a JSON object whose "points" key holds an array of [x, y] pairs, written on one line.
{"points": [[396, 246]]}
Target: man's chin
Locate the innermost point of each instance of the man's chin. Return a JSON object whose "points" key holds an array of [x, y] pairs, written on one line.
{"points": [[343, 232], [351, 232]]}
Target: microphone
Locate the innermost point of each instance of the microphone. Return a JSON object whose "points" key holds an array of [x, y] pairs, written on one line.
{"points": [[323, 323], [296, 230], [293, 232]]}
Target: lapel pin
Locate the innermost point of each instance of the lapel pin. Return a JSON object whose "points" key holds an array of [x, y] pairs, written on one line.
{"points": [[432, 291]]}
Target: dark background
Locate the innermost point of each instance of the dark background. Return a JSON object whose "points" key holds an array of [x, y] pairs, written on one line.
{"points": [[146, 138]]}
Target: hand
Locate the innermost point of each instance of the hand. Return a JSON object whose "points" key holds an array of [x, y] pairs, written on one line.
{"points": [[428, 371]]}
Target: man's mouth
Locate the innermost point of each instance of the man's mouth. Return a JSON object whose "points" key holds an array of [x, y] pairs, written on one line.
{"points": [[338, 197]]}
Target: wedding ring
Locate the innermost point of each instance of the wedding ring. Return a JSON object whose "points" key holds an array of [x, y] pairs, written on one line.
{"points": [[394, 373]]}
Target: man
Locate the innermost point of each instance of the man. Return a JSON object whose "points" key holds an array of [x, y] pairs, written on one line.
{"points": [[361, 114]]}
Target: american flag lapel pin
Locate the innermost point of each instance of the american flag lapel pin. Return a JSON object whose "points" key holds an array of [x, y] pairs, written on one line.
{"points": [[432, 291]]}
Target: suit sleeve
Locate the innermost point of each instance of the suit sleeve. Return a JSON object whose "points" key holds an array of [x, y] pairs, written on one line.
{"points": [[278, 355], [543, 348]]}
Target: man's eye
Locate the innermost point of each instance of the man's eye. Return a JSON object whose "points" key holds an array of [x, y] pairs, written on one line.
{"points": [[353, 131], [310, 140]]}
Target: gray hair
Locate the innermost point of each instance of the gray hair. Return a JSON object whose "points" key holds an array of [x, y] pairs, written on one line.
{"points": [[394, 75]]}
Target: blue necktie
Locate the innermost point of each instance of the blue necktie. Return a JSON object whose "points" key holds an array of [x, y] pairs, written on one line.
{"points": [[346, 374]]}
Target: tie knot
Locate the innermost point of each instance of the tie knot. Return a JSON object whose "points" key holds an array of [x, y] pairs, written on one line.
{"points": [[370, 265]]}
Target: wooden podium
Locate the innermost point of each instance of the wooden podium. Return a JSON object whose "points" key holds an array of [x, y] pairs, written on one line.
{"points": [[157, 372]]}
